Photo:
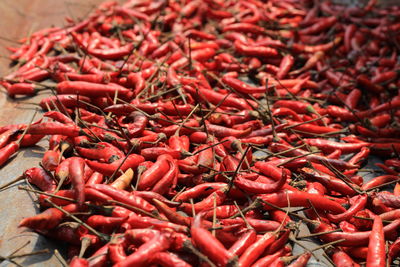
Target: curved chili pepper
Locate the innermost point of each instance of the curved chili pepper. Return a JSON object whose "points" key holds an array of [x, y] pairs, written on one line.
{"points": [[209, 245], [358, 205], [40, 178], [301, 261], [130, 161], [251, 254], [245, 240], [169, 180], [158, 243], [255, 187], [154, 173]]}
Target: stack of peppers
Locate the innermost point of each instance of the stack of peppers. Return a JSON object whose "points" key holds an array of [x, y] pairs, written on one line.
{"points": [[193, 132]]}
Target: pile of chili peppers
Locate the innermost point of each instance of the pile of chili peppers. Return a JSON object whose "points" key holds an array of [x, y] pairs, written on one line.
{"points": [[204, 132]]}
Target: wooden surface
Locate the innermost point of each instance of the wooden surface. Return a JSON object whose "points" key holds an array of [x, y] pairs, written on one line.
{"points": [[18, 19]]}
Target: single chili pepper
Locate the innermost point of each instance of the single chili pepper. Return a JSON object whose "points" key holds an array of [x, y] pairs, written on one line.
{"points": [[154, 173], [376, 247], [5, 137], [251, 254], [394, 250], [311, 62], [136, 221], [123, 182], [364, 82], [130, 161], [103, 151], [105, 224], [124, 197], [158, 243], [319, 26], [168, 259], [76, 174], [221, 131], [254, 187], [360, 156], [341, 258], [268, 260], [50, 160], [358, 205], [40, 178], [116, 253], [285, 66], [91, 89], [379, 181], [255, 51], [301, 261], [217, 197], [353, 239], [48, 219], [330, 182], [215, 98], [171, 214], [388, 199], [79, 262], [245, 240], [242, 87], [209, 245], [199, 191], [50, 128], [301, 199]]}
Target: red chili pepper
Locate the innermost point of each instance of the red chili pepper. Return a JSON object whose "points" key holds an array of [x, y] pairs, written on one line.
{"points": [[241, 86], [330, 182], [245, 240], [255, 51], [209, 245], [154, 173], [353, 239], [394, 250], [301, 261], [48, 219], [169, 180], [91, 89], [158, 243], [76, 174], [130, 161], [251, 254], [168, 259], [40, 178], [285, 66], [79, 262], [50, 128], [301, 199], [124, 197], [136, 221], [255, 187], [358, 205], [376, 247]]}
